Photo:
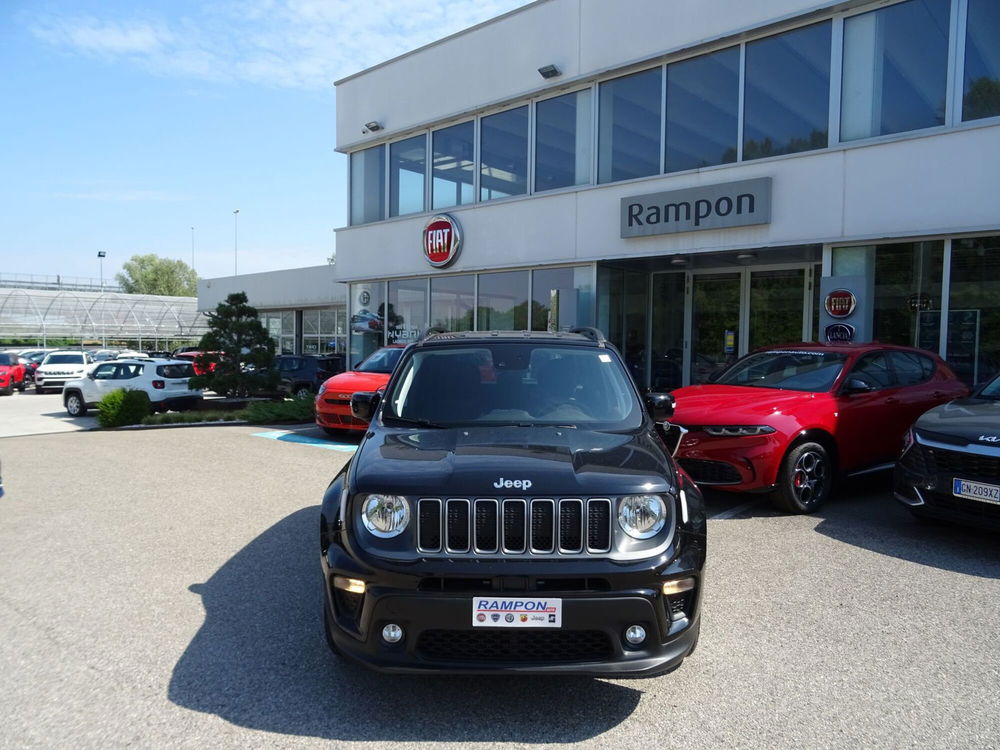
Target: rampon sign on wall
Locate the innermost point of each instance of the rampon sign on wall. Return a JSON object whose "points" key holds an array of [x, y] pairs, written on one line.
{"points": [[732, 204]]}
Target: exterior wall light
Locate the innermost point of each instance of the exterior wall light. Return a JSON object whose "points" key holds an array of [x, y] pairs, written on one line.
{"points": [[549, 71], [371, 127]]}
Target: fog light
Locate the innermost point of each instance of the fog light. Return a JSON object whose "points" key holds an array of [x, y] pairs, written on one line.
{"points": [[670, 588], [352, 585], [392, 633], [635, 635]]}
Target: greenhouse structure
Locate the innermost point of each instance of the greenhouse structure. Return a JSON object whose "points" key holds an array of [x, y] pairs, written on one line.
{"points": [[41, 317]]}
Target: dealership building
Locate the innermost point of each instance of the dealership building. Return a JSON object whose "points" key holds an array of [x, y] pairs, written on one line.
{"points": [[695, 179]]}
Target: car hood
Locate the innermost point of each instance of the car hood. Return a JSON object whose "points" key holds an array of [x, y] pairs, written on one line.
{"points": [[734, 404], [965, 421], [69, 366], [353, 382], [472, 461]]}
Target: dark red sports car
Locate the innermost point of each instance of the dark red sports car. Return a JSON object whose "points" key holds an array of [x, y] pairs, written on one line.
{"points": [[789, 419]]}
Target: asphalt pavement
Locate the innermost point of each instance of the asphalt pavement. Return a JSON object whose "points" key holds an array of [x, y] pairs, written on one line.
{"points": [[161, 588], [31, 413]]}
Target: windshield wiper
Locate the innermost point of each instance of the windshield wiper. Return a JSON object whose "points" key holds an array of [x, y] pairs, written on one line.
{"points": [[415, 422]]}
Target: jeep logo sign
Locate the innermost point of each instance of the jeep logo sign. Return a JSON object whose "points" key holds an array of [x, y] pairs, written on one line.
{"points": [[840, 303], [732, 204], [442, 240]]}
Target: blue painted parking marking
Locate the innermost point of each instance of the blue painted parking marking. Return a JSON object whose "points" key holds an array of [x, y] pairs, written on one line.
{"points": [[291, 437]]}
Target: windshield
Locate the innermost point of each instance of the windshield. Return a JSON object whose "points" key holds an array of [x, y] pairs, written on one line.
{"points": [[64, 359], [786, 369], [383, 360], [515, 383]]}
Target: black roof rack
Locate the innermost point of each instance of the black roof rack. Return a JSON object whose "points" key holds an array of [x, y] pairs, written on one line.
{"points": [[594, 334], [431, 331]]}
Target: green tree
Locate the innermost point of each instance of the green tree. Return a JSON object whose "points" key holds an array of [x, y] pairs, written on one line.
{"points": [[151, 274], [237, 352]]}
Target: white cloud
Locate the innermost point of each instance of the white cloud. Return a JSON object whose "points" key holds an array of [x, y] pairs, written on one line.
{"points": [[286, 43]]}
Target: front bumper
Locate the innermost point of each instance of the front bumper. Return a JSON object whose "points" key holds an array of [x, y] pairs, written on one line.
{"points": [[433, 605], [929, 494], [337, 417], [733, 464]]}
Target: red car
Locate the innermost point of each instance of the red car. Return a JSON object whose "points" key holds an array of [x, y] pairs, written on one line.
{"points": [[333, 401], [788, 419], [11, 373], [192, 357]]}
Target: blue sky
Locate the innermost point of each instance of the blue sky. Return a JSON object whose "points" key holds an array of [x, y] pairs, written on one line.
{"points": [[126, 123]]}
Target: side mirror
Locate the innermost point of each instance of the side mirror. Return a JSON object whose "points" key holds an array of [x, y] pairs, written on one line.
{"points": [[356, 365], [364, 404], [92, 375], [857, 385], [660, 406]]}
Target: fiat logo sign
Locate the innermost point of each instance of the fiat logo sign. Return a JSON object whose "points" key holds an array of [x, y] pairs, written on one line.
{"points": [[840, 303], [442, 240]]}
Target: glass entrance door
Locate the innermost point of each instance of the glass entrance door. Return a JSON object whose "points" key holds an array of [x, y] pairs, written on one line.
{"points": [[715, 323], [777, 301]]}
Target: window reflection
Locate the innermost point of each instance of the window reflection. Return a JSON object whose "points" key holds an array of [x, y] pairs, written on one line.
{"points": [[406, 312], [787, 92], [503, 301], [895, 68], [406, 176], [629, 127], [562, 141], [560, 298], [368, 185], [504, 154], [974, 315], [452, 300], [982, 61], [703, 97], [453, 165]]}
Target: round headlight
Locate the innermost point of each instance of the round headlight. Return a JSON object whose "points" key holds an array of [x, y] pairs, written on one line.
{"points": [[385, 516], [642, 516]]}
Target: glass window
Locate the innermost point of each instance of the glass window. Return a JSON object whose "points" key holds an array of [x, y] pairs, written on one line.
{"points": [[610, 303], [982, 61], [776, 307], [452, 300], [908, 294], [668, 331], [368, 185], [503, 301], [453, 165], [974, 314], [560, 298], [703, 108], [503, 154], [105, 372], [367, 324], [515, 383], [310, 322], [407, 160], [895, 68], [787, 93], [629, 127], [874, 369], [563, 141], [788, 369], [407, 312], [910, 368]]}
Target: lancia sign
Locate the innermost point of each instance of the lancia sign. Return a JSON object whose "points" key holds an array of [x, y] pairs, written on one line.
{"points": [[442, 240]]}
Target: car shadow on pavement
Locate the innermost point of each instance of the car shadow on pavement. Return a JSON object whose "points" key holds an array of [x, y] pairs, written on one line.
{"points": [[260, 661], [864, 513]]}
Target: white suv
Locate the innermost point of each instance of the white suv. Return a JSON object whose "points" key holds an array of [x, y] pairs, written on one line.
{"points": [[60, 366], [165, 381]]}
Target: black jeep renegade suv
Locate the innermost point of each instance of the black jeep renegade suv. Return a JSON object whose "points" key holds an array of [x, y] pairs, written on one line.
{"points": [[513, 508]]}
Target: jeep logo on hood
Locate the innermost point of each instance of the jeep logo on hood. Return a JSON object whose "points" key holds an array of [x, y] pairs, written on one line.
{"points": [[517, 484]]}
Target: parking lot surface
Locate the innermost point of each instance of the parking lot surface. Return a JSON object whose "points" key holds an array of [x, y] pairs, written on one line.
{"points": [[29, 413], [161, 588]]}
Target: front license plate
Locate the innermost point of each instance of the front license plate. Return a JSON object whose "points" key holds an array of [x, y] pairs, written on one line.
{"points": [[527, 612], [985, 493]]}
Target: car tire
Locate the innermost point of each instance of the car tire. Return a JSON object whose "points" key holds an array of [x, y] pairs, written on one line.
{"points": [[39, 389], [21, 387], [303, 391], [805, 478], [75, 405]]}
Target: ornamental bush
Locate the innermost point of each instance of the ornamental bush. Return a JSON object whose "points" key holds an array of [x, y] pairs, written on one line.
{"points": [[122, 407]]}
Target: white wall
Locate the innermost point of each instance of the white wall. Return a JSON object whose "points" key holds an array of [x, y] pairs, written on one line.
{"points": [[291, 288], [931, 184], [499, 60]]}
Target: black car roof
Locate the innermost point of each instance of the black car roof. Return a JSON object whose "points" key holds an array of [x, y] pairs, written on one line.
{"points": [[576, 336]]}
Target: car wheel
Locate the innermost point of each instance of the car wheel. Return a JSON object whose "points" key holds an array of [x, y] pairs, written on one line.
{"points": [[75, 405], [21, 387], [303, 391], [805, 479], [39, 389]]}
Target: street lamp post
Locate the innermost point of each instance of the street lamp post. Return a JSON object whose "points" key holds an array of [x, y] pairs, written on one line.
{"points": [[192, 248], [236, 234], [101, 254]]}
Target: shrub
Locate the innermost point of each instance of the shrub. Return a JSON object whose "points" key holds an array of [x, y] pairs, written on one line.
{"points": [[188, 417], [274, 412], [122, 407]]}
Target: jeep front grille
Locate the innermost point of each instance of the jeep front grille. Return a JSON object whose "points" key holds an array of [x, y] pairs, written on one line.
{"points": [[514, 526]]}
